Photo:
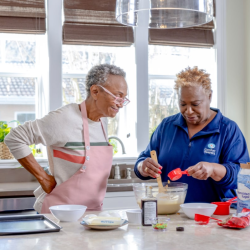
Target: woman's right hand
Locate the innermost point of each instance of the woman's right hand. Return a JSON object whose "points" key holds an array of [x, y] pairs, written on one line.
{"points": [[48, 183], [150, 168]]}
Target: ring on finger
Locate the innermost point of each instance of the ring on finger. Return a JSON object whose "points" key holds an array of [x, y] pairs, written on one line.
{"points": [[146, 169]]}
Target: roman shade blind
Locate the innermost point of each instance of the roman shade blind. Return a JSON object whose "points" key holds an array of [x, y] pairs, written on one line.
{"points": [[22, 16], [93, 22], [199, 36]]}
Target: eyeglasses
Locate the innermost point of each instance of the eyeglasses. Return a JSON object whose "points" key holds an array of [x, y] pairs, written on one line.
{"points": [[118, 100]]}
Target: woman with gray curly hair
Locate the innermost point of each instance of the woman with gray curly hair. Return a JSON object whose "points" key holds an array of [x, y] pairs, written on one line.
{"points": [[79, 154]]}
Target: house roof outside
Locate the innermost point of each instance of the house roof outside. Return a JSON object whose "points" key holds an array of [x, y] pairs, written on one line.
{"points": [[22, 90]]}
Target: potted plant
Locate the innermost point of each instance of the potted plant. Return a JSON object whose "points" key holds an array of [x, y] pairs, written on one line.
{"points": [[4, 150]]}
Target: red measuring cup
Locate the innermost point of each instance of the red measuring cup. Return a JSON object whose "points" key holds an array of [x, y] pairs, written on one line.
{"points": [[177, 174], [223, 208], [203, 219]]}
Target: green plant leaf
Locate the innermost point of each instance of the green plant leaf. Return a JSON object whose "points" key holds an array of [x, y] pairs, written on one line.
{"points": [[33, 149], [114, 144], [5, 129]]}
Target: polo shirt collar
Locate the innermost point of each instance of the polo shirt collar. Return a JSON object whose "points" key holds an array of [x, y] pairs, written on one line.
{"points": [[212, 127]]}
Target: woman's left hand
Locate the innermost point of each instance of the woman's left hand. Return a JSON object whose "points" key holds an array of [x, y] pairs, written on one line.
{"points": [[201, 170]]}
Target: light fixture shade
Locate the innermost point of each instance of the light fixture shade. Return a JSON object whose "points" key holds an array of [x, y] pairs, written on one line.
{"points": [[165, 14]]}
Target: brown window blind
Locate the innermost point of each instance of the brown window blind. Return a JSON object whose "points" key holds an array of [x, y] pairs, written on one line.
{"points": [[93, 22], [22, 16], [199, 36]]}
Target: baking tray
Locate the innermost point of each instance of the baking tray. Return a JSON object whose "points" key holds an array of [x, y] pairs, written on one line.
{"points": [[27, 224]]}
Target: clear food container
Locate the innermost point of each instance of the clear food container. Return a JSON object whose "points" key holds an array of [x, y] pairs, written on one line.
{"points": [[160, 224], [169, 201]]}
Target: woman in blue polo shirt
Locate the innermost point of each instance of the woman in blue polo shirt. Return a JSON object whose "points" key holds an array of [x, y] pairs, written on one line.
{"points": [[199, 139]]}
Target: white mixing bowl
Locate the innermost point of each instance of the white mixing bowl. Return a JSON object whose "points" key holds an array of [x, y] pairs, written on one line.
{"points": [[190, 209], [68, 212]]}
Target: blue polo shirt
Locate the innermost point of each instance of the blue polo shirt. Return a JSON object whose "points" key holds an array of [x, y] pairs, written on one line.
{"points": [[221, 141]]}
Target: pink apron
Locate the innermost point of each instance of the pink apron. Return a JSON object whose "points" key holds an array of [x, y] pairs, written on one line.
{"points": [[88, 185]]}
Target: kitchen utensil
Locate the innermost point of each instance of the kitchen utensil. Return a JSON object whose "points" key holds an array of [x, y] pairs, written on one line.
{"points": [[27, 224], [223, 208], [177, 174], [190, 209], [233, 200], [134, 216], [68, 212], [103, 227], [169, 201], [154, 157], [203, 218]]}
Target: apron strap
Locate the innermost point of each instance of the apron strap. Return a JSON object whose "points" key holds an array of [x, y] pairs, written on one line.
{"points": [[104, 132], [85, 124]]}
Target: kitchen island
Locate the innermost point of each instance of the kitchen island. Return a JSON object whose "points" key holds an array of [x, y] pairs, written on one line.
{"points": [[134, 237]]}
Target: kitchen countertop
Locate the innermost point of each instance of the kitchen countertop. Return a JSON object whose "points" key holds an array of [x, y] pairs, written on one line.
{"points": [[27, 188], [18, 189], [134, 237]]}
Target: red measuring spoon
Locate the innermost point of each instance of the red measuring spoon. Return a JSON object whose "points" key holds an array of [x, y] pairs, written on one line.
{"points": [[204, 219], [177, 174]]}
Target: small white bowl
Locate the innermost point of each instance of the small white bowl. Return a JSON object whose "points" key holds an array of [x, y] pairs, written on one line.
{"points": [[190, 209], [68, 212], [134, 216]]}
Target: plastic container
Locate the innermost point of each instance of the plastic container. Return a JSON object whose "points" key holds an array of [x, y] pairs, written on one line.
{"points": [[169, 201], [243, 191], [190, 209], [134, 216], [68, 212], [160, 224], [223, 208]]}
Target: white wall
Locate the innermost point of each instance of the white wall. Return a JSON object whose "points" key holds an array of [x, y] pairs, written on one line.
{"points": [[247, 11], [7, 112], [237, 85]]}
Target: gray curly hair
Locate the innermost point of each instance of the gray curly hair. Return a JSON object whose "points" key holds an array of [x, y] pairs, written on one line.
{"points": [[98, 75]]}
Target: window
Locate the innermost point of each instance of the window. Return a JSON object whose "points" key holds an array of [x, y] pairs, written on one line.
{"points": [[164, 63], [78, 60], [19, 72], [162, 101], [25, 116]]}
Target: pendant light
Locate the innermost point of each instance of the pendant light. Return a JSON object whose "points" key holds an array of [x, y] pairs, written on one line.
{"points": [[165, 14]]}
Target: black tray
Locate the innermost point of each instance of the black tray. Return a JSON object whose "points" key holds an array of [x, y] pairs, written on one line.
{"points": [[27, 224]]}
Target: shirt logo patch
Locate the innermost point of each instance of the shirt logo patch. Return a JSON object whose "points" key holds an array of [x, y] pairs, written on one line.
{"points": [[210, 150], [211, 145]]}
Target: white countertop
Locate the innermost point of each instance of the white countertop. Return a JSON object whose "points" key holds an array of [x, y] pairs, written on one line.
{"points": [[131, 237]]}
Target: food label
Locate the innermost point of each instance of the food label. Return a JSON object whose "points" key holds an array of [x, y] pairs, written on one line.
{"points": [[243, 191], [149, 212]]}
